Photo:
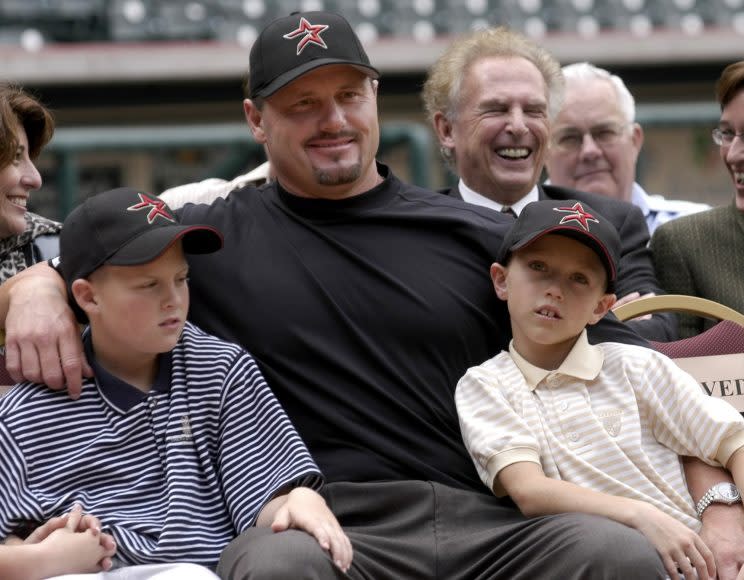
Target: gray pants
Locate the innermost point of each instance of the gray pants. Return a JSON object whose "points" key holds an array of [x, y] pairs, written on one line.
{"points": [[416, 530]]}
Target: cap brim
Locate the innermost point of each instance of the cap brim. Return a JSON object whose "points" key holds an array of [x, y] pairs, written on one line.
{"points": [[152, 243], [286, 78]]}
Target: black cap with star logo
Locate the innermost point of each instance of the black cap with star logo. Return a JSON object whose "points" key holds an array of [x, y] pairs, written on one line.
{"points": [[294, 45], [125, 227], [570, 218]]}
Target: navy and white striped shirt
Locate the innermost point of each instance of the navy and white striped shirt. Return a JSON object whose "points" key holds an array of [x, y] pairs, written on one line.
{"points": [[173, 474]]}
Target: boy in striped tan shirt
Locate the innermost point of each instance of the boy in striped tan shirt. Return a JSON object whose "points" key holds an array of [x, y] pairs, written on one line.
{"points": [[564, 426]]}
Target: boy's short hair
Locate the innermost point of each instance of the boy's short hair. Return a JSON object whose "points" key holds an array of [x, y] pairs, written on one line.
{"points": [[125, 227], [567, 218]]}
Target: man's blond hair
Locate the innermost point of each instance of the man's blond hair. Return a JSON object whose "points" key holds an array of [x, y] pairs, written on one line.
{"points": [[441, 90]]}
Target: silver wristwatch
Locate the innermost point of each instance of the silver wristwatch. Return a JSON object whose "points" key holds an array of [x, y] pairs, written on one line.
{"points": [[723, 492]]}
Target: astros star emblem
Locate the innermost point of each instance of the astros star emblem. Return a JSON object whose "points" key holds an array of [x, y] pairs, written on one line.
{"points": [[311, 35], [577, 214], [157, 208]]}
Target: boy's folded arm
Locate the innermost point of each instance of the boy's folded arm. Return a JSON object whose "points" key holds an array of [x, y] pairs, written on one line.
{"points": [[62, 552], [27, 562], [537, 495], [19, 562]]}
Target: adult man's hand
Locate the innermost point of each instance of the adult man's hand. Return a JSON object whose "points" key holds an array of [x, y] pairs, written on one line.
{"points": [[42, 337], [723, 532]]}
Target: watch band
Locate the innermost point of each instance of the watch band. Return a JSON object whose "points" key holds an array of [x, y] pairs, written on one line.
{"points": [[713, 495], [704, 502]]}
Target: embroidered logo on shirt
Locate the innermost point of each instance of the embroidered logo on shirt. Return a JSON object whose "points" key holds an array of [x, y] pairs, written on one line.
{"points": [[612, 421], [186, 434]]}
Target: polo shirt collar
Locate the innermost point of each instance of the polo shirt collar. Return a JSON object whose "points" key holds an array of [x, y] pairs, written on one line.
{"points": [[119, 394], [583, 362]]}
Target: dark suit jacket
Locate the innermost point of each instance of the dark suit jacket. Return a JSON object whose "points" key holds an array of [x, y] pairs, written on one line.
{"points": [[635, 272]]}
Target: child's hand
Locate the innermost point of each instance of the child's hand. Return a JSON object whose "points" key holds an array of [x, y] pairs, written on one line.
{"points": [[306, 510], [679, 547], [57, 533], [44, 530], [76, 552]]}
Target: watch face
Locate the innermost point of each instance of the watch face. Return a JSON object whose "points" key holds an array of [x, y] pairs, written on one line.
{"points": [[728, 491]]}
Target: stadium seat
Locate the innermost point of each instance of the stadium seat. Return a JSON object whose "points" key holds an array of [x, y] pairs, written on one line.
{"points": [[238, 20], [23, 10], [147, 20]]}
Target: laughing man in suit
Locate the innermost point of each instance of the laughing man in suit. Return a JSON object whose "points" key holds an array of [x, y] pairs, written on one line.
{"points": [[491, 97]]}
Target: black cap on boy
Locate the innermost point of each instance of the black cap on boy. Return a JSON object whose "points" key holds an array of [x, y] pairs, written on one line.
{"points": [[568, 218], [125, 227]]}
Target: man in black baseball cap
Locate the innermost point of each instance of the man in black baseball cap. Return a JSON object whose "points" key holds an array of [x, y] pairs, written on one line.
{"points": [[321, 135]]}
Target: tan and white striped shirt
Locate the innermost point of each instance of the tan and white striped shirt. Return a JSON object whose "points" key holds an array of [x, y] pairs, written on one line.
{"points": [[613, 418]]}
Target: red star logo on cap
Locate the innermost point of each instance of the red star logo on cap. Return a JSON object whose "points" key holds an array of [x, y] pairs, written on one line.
{"points": [[157, 208], [311, 32], [577, 214]]}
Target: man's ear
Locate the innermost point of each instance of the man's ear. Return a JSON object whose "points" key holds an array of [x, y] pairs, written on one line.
{"points": [[637, 137], [498, 277], [84, 294], [603, 307], [254, 119], [443, 129]]}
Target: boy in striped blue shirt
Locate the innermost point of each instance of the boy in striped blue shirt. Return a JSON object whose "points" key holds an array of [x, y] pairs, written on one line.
{"points": [[176, 444]]}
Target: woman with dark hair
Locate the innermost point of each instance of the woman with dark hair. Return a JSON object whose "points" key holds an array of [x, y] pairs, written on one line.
{"points": [[26, 126], [703, 254]]}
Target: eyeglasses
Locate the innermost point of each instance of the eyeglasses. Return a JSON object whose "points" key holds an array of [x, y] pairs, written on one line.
{"points": [[571, 140], [725, 136]]}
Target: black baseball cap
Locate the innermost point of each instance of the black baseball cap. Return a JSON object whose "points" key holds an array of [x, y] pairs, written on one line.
{"points": [[570, 218], [294, 45], [125, 227]]}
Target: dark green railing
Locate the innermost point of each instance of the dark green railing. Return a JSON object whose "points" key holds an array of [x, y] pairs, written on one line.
{"points": [[69, 143]]}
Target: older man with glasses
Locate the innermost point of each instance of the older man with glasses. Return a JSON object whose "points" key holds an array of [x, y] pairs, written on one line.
{"points": [[595, 144]]}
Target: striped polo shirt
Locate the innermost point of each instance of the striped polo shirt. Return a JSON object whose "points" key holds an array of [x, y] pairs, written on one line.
{"points": [[173, 474], [613, 418]]}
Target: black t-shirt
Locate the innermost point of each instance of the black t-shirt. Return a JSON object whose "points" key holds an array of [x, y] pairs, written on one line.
{"points": [[363, 314]]}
